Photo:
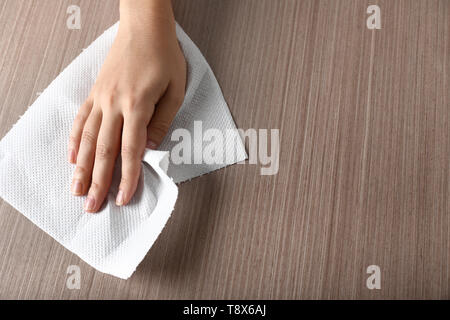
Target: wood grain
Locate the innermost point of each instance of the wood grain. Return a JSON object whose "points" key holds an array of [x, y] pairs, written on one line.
{"points": [[364, 156]]}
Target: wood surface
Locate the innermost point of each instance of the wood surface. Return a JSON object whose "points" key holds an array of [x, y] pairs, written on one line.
{"points": [[364, 154]]}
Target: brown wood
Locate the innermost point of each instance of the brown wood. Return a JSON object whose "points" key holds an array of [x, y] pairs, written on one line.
{"points": [[364, 163]]}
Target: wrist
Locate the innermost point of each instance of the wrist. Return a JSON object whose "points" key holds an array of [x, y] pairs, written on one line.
{"points": [[146, 16]]}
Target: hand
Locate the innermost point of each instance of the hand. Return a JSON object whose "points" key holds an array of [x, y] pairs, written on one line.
{"points": [[137, 94]]}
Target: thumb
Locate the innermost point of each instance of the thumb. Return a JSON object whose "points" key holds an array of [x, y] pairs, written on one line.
{"points": [[162, 118]]}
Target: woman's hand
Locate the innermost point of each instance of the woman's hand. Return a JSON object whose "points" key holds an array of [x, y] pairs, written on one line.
{"points": [[132, 104]]}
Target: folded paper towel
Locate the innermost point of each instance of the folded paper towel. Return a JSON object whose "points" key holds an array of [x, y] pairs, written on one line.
{"points": [[35, 175]]}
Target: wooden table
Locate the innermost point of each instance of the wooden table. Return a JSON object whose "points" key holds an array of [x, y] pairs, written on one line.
{"points": [[364, 156]]}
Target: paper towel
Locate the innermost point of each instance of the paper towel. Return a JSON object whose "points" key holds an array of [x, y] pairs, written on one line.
{"points": [[35, 176]]}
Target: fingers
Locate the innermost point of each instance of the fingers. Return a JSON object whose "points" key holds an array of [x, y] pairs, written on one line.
{"points": [[95, 143], [163, 116], [133, 147], [86, 154], [107, 149], [77, 129]]}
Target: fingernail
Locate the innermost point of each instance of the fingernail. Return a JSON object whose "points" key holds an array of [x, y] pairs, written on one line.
{"points": [[89, 204], [151, 145], [119, 199], [76, 187], [71, 156]]}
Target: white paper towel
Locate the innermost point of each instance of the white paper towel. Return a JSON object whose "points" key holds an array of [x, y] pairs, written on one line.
{"points": [[35, 175]]}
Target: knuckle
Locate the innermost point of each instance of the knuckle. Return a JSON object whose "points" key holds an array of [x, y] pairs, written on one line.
{"points": [[129, 178], [73, 139], [159, 128], [106, 101], [81, 171], [86, 106], [157, 75], [104, 151], [131, 153], [88, 137], [107, 107], [129, 100], [80, 117], [129, 103], [95, 186], [125, 182]]}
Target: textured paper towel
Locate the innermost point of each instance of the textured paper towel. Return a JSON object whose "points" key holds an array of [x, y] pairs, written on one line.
{"points": [[35, 175]]}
